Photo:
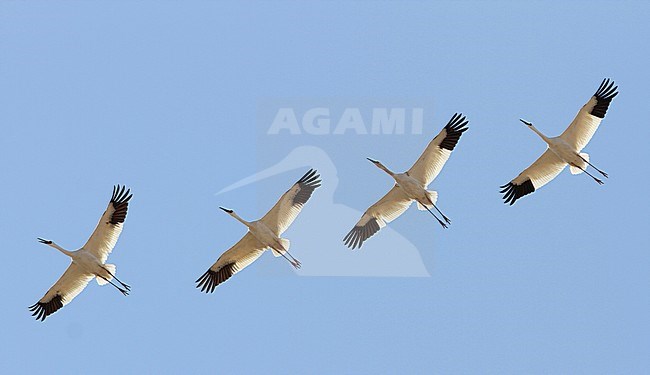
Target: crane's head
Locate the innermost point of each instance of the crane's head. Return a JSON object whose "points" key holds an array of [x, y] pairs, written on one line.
{"points": [[47, 242], [526, 122], [227, 210]]}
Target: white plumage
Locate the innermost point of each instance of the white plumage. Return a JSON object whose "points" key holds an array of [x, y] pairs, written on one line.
{"points": [[263, 234], [565, 149], [410, 186], [89, 261]]}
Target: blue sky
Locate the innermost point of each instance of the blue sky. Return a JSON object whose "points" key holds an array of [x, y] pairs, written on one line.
{"points": [[166, 98]]}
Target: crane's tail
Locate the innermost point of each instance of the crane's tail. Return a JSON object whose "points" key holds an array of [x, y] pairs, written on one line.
{"points": [[103, 281], [433, 197], [285, 245], [575, 170]]}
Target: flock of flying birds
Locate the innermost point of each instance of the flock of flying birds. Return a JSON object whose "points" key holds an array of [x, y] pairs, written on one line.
{"points": [[411, 186]]}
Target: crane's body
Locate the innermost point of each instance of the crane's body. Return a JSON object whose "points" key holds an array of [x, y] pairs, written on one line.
{"points": [[266, 236], [89, 261], [561, 148], [410, 186], [86, 260], [262, 234], [414, 189], [564, 149]]}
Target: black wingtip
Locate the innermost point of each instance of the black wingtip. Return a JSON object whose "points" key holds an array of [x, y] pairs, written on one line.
{"points": [[606, 89], [206, 282], [120, 201], [454, 129], [121, 194], [41, 310], [209, 281], [457, 121], [41, 240], [226, 210], [512, 192], [606, 92], [311, 178]]}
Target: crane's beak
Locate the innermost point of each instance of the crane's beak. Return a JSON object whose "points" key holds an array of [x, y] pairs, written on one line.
{"points": [[47, 242], [526, 122], [226, 209]]}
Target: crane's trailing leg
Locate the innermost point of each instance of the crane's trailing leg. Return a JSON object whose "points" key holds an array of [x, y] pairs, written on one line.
{"points": [[294, 262], [443, 215], [600, 182], [125, 292], [593, 166], [434, 215], [127, 287]]}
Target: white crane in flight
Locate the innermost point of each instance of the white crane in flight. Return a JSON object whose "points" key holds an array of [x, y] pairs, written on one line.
{"points": [[262, 234], [90, 261], [410, 186], [564, 149]]}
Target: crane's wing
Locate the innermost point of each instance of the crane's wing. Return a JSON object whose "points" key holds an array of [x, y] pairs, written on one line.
{"points": [[586, 122], [541, 172], [235, 259], [434, 157], [71, 283], [387, 209], [105, 236], [285, 211]]}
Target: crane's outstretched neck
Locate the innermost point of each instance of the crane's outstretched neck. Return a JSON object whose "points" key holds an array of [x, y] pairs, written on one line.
{"points": [[233, 214], [382, 167], [52, 244], [246, 223], [545, 138], [533, 128]]}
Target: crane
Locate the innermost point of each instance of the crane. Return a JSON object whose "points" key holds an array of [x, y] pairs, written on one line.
{"points": [[262, 234], [410, 186], [564, 149], [90, 261]]}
